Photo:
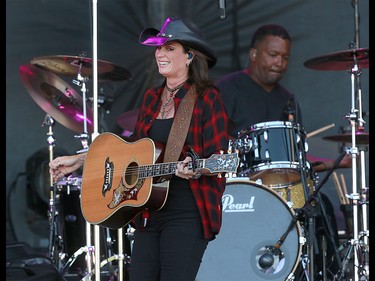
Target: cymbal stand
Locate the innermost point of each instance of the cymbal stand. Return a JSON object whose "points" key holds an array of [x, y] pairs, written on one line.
{"points": [[92, 252], [49, 121], [56, 239], [360, 239], [364, 233], [84, 138], [81, 82], [359, 243]]}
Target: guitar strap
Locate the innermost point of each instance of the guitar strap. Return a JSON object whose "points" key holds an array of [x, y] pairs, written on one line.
{"points": [[176, 138], [180, 127]]}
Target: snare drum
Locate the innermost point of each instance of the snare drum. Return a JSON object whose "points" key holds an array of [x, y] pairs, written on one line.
{"points": [[254, 219], [272, 151], [294, 194]]}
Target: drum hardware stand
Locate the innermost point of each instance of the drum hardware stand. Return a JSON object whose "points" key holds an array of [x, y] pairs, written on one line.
{"points": [[120, 257], [310, 215], [361, 270], [305, 261], [360, 239], [352, 245], [81, 82], [308, 202], [55, 238], [50, 122], [72, 259], [92, 252], [309, 212]]}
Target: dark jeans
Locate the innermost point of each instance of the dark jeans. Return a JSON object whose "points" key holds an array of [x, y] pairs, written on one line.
{"points": [[170, 248]]}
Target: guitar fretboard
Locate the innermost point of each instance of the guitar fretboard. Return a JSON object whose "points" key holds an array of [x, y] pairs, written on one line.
{"points": [[163, 169]]}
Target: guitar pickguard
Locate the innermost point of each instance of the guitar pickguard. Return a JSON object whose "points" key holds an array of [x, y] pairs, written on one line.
{"points": [[123, 193]]}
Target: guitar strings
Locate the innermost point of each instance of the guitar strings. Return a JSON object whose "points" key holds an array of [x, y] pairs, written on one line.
{"points": [[131, 170]]}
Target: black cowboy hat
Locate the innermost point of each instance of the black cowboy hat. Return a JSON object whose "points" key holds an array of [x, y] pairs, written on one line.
{"points": [[178, 29]]}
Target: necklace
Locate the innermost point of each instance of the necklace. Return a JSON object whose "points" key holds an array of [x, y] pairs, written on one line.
{"points": [[168, 104], [175, 88]]}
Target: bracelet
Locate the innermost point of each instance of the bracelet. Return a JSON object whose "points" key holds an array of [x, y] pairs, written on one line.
{"points": [[197, 175]]}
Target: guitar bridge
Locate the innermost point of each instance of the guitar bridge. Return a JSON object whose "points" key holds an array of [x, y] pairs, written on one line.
{"points": [[108, 176]]}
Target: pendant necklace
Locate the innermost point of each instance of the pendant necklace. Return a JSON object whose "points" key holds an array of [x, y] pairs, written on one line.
{"points": [[169, 101]]}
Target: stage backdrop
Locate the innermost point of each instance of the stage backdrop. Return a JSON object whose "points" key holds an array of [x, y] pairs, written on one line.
{"points": [[54, 28]]}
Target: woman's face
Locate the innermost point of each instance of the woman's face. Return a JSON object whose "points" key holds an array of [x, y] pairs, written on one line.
{"points": [[171, 60]]}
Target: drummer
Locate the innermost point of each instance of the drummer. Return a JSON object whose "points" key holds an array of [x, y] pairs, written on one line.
{"points": [[254, 94]]}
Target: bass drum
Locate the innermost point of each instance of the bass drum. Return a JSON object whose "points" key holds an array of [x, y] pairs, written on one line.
{"points": [[254, 220]]}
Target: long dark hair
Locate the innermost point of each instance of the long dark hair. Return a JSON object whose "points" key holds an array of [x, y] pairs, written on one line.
{"points": [[198, 70]]}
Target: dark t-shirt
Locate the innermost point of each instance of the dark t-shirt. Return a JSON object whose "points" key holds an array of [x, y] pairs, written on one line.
{"points": [[247, 103]]}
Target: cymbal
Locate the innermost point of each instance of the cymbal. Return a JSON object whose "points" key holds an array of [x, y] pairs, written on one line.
{"points": [[342, 60], [360, 137], [70, 66], [56, 98]]}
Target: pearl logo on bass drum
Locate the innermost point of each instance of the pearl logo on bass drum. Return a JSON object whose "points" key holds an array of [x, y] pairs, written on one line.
{"points": [[232, 204]]}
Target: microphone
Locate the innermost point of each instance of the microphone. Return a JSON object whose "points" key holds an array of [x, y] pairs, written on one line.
{"points": [[289, 110], [222, 9], [267, 260]]}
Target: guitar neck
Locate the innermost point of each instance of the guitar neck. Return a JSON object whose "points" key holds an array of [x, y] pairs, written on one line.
{"points": [[164, 169]]}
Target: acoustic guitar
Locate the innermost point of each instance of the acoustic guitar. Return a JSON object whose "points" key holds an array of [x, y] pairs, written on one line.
{"points": [[118, 178]]}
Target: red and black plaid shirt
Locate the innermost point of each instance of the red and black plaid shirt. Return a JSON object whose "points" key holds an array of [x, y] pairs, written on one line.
{"points": [[208, 134]]}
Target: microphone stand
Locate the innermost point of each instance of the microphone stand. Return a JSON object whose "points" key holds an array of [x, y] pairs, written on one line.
{"points": [[292, 114], [311, 198]]}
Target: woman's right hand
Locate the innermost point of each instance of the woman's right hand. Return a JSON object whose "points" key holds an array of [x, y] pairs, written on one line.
{"points": [[63, 165]]}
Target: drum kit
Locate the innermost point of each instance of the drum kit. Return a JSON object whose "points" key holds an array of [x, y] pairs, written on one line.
{"points": [[275, 195], [274, 186], [70, 246]]}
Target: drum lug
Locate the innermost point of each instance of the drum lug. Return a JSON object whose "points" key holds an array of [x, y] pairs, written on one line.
{"points": [[265, 135], [267, 154], [306, 147], [290, 204]]}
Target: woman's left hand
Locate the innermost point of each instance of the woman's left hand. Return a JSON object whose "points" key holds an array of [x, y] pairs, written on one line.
{"points": [[184, 171]]}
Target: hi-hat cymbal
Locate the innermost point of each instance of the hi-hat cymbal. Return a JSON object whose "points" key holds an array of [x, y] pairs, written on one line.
{"points": [[56, 98], [360, 137], [342, 60], [71, 65]]}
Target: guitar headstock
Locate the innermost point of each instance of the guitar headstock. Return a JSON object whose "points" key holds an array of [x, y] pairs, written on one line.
{"points": [[222, 163]]}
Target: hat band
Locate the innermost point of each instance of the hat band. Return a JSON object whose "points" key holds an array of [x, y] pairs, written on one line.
{"points": [[164, 35]]}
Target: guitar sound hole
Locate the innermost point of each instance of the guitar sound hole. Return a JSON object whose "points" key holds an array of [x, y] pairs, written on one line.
{"points": [[131, 174]]}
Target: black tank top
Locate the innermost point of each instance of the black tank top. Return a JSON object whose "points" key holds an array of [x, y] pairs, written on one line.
{"points": [[180, 196]]}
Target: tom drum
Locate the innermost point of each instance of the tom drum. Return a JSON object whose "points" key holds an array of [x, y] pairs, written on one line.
{"points": [[271, 152]]}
